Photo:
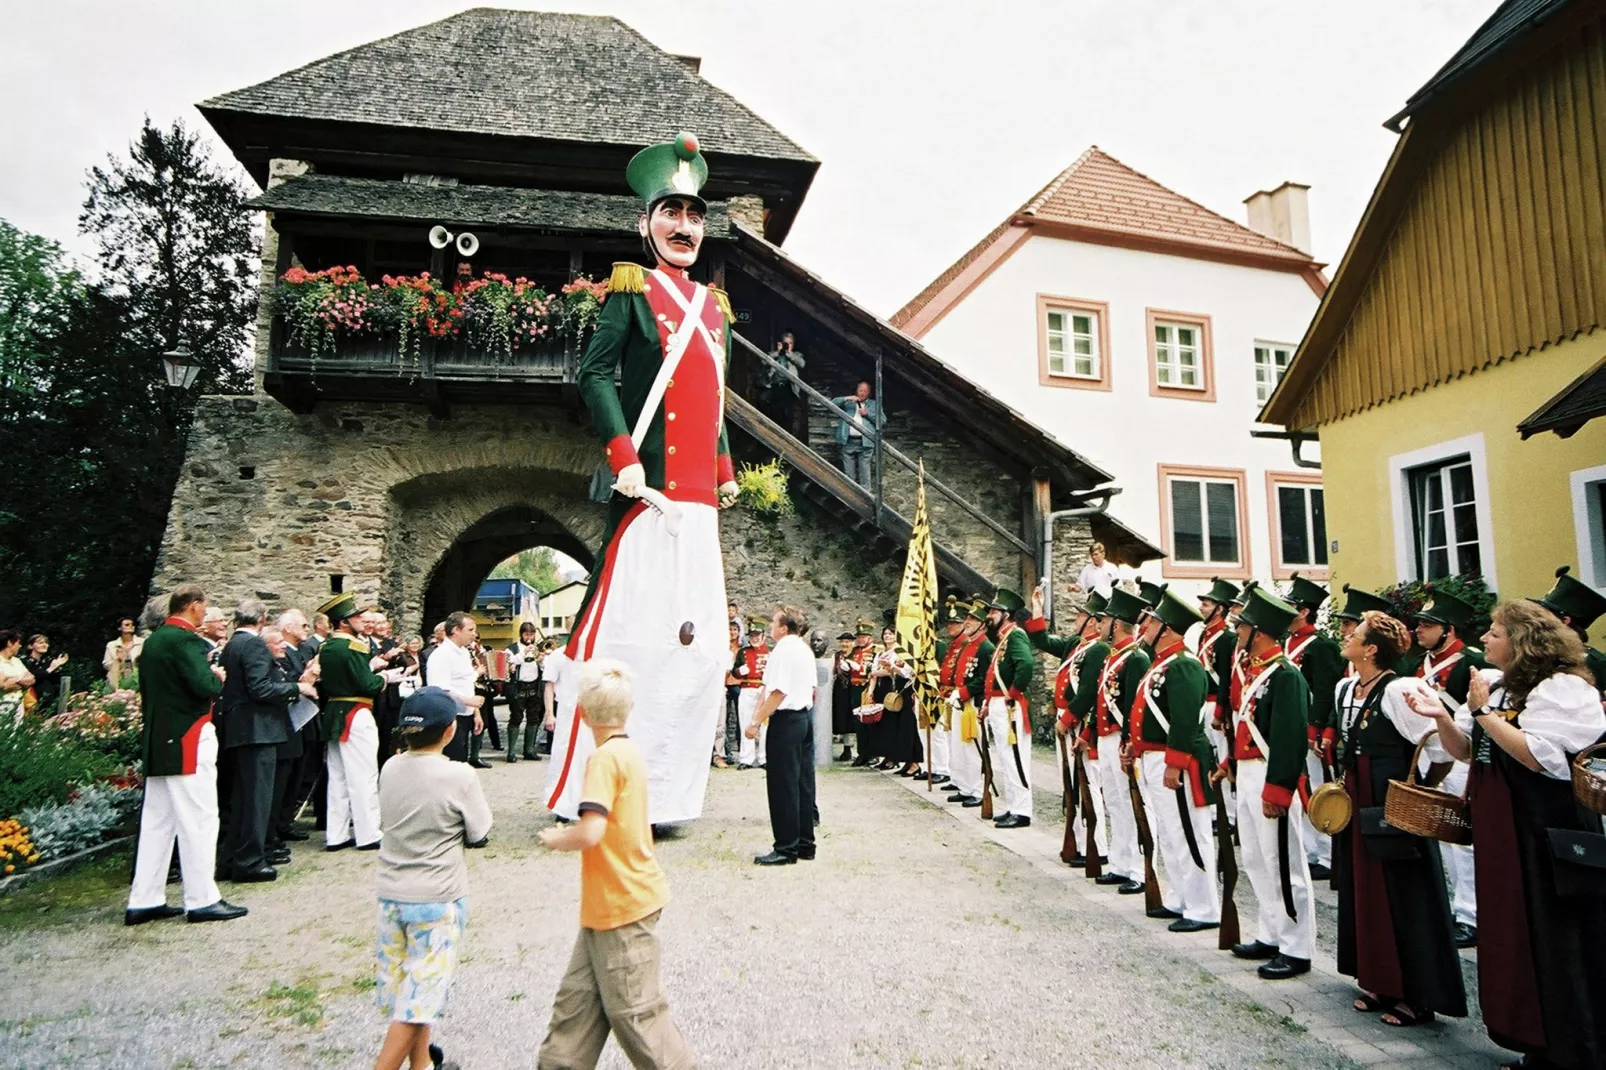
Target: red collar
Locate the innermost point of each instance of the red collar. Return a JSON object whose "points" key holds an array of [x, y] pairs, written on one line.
{"points": [[180, 622], [1271, 655], [1302, 631], [1451, 648], [1118, 645], [1214, 628], [1168, 650]]}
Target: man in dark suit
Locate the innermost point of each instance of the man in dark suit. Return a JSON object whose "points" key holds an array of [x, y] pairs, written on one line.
{"points": [[256, 720]]}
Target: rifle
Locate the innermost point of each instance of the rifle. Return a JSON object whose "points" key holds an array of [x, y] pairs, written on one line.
{"points": [[1227, 862], [1068, 851], [1151, 882], [1094, 868], [987, 788]]}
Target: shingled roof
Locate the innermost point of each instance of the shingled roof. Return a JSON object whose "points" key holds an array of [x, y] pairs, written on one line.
{"points": [[532, 74], [1100, 199], [334, 195]]}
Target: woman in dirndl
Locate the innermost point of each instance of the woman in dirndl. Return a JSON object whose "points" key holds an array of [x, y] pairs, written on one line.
{"points": [[1538, 852], [895, 739], [1395, 929]]}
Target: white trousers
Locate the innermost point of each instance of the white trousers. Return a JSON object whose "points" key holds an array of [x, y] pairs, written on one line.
{"points": [[1318, 846], [353, 767], [568, 728], [1124, 855], [937, 762], [185, 807], [1458, 859], [1095, 791], [964, 764], [1263, 851], [1012, 765], [658, 582], [1189, 887], [751, 751]]}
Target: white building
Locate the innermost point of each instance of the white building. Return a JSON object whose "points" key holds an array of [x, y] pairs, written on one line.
{"points": [[1149, 331]]}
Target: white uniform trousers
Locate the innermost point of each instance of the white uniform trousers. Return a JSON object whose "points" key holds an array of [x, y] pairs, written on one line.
{"points": [[567, 804], [186, 807], [1458, 859], [1124, 855], [1318, 846], [1095, 791], [1218, 743], [1012, 764], [937, 762], [964, 764], [1188, 887], [752, 750], [1263, 850], [353, 767]]}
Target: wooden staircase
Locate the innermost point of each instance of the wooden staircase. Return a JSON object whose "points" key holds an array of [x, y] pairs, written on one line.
{"points": [[885, 531]]}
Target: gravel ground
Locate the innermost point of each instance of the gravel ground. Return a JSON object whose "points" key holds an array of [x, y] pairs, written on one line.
{"points": [[909, 942]]}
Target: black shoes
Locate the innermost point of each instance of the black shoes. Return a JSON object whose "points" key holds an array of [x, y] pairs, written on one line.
{"points": [[941, 778], [775, 858], [1012, 821], [1131, 888], [1254, 951], [1466, 935], [915, 776], [1187, 925], [479, 763], [1107, 879], [368, 846], [1319, 872], [969, 802], [222, 910], [1163, 913], [805, 854], [143, 914], [292, 833], [846, 755], [341, 846], [255, 876], [1283, 967], [860, 762], [279, 856]]}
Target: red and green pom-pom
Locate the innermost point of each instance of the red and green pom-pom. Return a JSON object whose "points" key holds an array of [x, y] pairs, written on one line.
{"points": [[686, 146]]}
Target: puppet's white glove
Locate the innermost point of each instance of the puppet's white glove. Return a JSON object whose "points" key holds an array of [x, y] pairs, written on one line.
{"points": [[631, 478]]}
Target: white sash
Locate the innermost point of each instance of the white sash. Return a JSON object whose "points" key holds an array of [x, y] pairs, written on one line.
{"points": [[1295, 653], [690, 326], [1111, 668], [1245, 716], [1149, 691]]}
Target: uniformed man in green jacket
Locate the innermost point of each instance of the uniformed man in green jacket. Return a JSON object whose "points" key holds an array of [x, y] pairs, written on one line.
{"points": [[1579, 606], [1009, 722], [1270, 741], [346, 673], [179, 746], [1125, 662], [1321, 662], [1175, 759], [1218, 651], [971, 655]]}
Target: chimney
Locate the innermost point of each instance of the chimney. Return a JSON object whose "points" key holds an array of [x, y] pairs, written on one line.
{"points": [[695, 63], [1282, 213]]}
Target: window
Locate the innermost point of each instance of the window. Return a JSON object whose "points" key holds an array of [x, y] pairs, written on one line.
{"points": [[1271, 360], [1073, 343], [1180, 360], [1202, 512], [1298, 524], [1589, 521], [1444, 520]]}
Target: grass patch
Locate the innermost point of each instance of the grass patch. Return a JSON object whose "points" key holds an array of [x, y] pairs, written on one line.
{"points": [[300, 1003], [86, 893]]}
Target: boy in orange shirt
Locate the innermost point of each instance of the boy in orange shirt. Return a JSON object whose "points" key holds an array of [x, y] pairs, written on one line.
{"points": [[612, 980]]}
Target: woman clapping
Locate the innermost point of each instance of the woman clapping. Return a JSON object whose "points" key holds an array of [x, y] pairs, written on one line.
{"points": [[1541, 970]]}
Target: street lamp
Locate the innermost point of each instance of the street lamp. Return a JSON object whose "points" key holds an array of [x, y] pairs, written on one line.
{"points": [[181, 367]]}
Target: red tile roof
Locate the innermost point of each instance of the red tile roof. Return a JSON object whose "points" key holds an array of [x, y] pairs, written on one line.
{"points": [[1099, 198]]}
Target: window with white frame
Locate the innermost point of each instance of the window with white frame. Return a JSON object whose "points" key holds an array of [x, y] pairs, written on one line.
{"points": [[1301, 525], [1589, 521], [1204, 521], [1178, 355], [1073, 342], [1271, 360], [1444, 519]]}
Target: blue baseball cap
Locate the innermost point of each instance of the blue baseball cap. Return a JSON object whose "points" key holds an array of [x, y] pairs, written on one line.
{"points": [[429, 707]]}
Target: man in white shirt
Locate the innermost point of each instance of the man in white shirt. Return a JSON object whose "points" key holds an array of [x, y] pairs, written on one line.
{"points": [[571, 742], [451, 668], [786, 704], [1097, 575], [523, 693]]}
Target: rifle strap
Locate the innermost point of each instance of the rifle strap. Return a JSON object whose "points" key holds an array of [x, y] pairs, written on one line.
{"points": [[1186, 813], [1284, 876]]}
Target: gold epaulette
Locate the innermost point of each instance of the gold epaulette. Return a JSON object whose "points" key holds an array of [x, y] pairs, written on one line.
{"points": [[627, 278], [724, 302]]}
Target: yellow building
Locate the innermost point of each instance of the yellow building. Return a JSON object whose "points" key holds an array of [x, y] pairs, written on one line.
{"points": [[559, 607], [1472, 299]]}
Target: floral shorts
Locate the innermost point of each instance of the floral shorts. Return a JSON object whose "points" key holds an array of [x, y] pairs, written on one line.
{"points": [[417, 956]]}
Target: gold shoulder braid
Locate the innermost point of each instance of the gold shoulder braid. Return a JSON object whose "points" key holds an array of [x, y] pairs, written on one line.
{"points": [[724, 302], [627, 278]]}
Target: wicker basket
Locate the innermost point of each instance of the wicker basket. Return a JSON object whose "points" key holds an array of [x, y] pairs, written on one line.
{"points": [[1413, 807], [1589, 787], [869, 714]]}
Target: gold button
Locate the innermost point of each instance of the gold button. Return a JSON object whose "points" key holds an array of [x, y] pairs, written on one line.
{"points": [[671, 416], [671, 484], [671, 451], [662, 317], [671, 382]]}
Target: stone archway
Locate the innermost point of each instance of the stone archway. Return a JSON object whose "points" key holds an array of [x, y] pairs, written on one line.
{"points": [[493, 539]]}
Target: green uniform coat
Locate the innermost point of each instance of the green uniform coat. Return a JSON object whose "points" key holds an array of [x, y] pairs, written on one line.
{"points": [[1282, 714], [1181, 697], [347, 680], [176, 691]]}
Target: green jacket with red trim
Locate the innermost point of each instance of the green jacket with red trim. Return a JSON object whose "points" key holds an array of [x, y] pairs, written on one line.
{"points": [[1015, 668], [1282, 714], [1046, 641], [1086, 696], [1178, 691], [176, 691], [345, 677], [1127, 681]]}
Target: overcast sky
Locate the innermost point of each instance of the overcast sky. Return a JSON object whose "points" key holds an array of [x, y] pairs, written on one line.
{"points": [[932, 120]]}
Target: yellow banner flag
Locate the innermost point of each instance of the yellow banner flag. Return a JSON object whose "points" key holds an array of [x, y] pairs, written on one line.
{"points": [[917, 609]]}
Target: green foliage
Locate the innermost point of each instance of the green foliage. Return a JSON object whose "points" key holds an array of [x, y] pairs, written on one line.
{"points": [[36, 287], [300, 1003], [535, 566], [61, 829], [1408, 599], [763, 489], [39, 766]]}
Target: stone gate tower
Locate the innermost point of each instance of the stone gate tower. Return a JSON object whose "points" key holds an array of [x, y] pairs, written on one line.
{"points": [[403, 470]]}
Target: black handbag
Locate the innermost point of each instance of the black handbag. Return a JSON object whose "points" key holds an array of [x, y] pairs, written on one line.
{"points": [[1384, 842], [1580, 863]]}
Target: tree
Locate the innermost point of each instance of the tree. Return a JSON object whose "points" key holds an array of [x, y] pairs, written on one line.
{"points": [[535, 566], [36, 285], [175, 240]]}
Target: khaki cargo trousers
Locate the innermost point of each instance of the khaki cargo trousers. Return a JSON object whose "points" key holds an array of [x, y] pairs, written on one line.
{"points": [[612, 985]]}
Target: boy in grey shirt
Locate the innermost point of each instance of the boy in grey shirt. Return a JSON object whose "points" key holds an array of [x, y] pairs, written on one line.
{"points": [[430, 808]]}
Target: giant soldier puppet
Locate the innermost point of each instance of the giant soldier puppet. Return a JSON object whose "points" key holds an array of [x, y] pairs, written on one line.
{"points": [[657, 602]]}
